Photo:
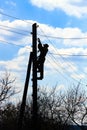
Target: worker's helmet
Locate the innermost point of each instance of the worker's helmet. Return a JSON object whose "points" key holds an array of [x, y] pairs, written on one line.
{"points": [[46, 45]]}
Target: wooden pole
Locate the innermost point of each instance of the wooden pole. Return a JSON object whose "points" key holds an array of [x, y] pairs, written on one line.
{"points": [[34, 43], [23, 104]]}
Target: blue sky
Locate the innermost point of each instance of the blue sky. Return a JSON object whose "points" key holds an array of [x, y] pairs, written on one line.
{"points": [[66, 61]]}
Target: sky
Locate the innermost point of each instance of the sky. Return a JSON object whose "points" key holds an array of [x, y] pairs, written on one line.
{"points": [[61, 23]]}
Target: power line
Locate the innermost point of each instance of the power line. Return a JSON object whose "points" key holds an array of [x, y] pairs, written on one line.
{"points": [[57, 68], [9, 15], [48, 52], [54, 59], [26, 31], [68, 54], [55, 37], [29, 32], [23, 46], [6, 42], [14, 31], [59, 55], [55, 48], [14, 17], [65, 38]]}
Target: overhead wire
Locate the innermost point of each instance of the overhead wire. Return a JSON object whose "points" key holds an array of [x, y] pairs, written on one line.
{"points": [[53, 46], [57, 53], [55, 37], [6, 42], [54, 60], [12, 29], [30, 32], [56, 69], [63, 69], [65, 38], [7, 28], [68, 54], [60, 55], [14, 17], [42, 35], [27, 48], [31, 23]]}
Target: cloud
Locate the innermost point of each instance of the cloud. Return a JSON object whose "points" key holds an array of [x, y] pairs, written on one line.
{"points": [[19, 31], [79, 7], [19, 62], [17, 67], [60, 64], [71, 37], [24, 51], [16, 31], [54, 43], [55, 64], [67, 52]]}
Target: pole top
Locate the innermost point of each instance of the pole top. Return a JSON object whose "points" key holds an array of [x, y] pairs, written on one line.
{"points": [[35, 24]]}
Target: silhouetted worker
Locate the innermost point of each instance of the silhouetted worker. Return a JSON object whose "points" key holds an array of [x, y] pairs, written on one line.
{"points": [[43, 49]]}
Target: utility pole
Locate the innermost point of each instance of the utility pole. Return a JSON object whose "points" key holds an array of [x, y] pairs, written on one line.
{"points": [[34, 79], [33, 61], [23, 104]]}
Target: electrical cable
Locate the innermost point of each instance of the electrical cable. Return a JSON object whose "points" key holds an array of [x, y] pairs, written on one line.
{"points": [[59, 54], [68, 54], [29, 32], [14, 17], [26, 31], [64, 71], [40, 34], [11, 29], [20, 45], [57, 70], [56, 49], [14, 31], [5, 42], [54, 59], [76, 38], [65, 38]]}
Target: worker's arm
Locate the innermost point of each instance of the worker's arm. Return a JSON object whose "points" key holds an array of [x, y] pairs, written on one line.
{"points": [[40, 46], [39, 40]]}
